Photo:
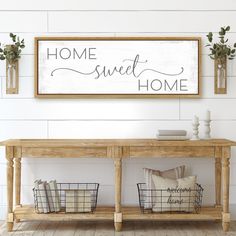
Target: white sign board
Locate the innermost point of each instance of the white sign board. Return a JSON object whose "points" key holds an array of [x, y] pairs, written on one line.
{"points": [[120, 67]]}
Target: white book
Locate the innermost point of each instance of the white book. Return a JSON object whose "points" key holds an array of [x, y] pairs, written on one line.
{"points": [[43, 196], [165, 132], [49, 197], [38, 203], [55, 195], [172, 137]]}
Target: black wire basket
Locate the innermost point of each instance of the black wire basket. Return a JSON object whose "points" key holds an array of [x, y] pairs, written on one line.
{"points": [[66, 197], [170, 200]]}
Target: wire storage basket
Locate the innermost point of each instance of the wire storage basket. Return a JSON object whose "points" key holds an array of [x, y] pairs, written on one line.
{"points": [[66, 197], [170, 200]]}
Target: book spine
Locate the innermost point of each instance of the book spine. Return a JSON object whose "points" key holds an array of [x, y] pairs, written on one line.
{"points": [[172, 137], [55, 196], [49, 196], [38, 200], [172, 132], [43, 195]]}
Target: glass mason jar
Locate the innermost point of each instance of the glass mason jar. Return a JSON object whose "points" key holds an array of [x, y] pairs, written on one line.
{"points": [[12, 75], [221, 75]]}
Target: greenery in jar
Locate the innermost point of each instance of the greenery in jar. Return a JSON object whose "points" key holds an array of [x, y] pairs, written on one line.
{"points": [[221, 50], [11, 52]]}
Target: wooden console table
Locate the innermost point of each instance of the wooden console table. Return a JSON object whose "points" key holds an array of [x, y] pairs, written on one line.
{"points": [[117, 149]]}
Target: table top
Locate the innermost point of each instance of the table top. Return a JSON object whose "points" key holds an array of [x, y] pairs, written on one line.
{"points": [[113, 142]]}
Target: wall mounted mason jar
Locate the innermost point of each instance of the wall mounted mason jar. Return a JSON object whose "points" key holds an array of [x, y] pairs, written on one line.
{"points": [[12, 77], [12, 71], [221, 75]]}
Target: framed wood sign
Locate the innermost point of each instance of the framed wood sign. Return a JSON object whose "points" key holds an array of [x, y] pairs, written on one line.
{"points": [[117, 67]]}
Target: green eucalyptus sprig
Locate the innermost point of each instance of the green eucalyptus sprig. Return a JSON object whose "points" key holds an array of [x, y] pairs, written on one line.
{"points": [[12, 52], [221, 50]]}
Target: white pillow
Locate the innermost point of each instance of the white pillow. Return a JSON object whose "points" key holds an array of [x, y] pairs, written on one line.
{"points": [[174, 195], [174, 173]]}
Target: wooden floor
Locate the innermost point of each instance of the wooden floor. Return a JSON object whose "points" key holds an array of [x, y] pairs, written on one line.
{"points": [[38, 228]]}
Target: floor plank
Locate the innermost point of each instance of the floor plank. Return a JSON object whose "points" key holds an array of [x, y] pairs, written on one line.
{"points": [[85, 229], [46, 229], [26, 228], [66, 228], [127, 229], [141, 228], [105, 229], [17, 228]]}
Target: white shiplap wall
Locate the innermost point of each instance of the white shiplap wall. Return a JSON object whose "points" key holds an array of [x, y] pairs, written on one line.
{"points": [[23, 116]]}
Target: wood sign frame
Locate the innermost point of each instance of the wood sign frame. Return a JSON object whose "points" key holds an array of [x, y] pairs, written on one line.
{"points": [[75, 67]]}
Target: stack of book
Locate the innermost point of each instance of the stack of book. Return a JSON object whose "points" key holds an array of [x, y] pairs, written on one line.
{"points": [[172, 135], [47, 196]]}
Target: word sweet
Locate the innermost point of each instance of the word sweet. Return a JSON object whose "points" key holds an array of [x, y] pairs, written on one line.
{"points": [[122, 70]]}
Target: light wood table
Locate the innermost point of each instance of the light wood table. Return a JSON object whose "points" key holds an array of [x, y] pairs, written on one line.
{"points": [[117, 149]]}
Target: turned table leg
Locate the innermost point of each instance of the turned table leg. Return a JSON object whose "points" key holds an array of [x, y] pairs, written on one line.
{"points": [[226, 171], [10, 171], [17, 182], [118, 179], [218, 171]]}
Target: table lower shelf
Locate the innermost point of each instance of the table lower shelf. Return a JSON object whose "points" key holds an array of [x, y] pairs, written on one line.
{"points": [[206, 213], [27, 212], [107, 213]]}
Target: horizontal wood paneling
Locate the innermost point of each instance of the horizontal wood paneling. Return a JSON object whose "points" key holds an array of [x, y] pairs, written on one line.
{"points": [[42, 169], [220, 108], [79, 172], [23, 21], [231, 36], [27, 129], [118, 5], [29, 37], [109, 129], [88, 109], [168, 21], [133, 129]]}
